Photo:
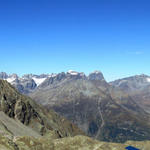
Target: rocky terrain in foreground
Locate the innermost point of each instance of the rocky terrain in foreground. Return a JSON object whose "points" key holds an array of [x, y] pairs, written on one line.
{"points": [[68, 143]]}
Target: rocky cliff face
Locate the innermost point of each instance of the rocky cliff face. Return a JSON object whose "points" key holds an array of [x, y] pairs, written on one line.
{"points": [[96, 75], [27, 112]]}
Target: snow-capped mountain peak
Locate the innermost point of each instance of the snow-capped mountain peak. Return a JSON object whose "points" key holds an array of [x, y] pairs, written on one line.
{"points": [[72, 72], [29, 82], [96, 72], [96, 75]]}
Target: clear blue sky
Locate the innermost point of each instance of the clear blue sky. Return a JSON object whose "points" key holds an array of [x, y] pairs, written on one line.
{"points": [[45, 36]]}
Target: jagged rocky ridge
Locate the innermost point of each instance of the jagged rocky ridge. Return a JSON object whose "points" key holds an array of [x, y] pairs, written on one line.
{"points": [[28, 83], [25, 84]]}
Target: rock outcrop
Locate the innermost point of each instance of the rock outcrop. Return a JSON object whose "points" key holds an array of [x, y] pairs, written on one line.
{"points": [[23, 109]]}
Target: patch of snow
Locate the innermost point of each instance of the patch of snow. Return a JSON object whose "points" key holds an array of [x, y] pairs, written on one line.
{"points": [[10, 80], [38, 81], [72, 72], [97, 72], [52, 75], [148, 79], [23, 78]]}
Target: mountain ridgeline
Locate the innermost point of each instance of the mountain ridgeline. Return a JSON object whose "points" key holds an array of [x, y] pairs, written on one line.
{"points": [[138, 87], [28, 83], [102, 110]]}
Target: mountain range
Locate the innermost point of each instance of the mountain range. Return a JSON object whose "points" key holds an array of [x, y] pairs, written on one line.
{"points": [[115, 111], [30, 82]]}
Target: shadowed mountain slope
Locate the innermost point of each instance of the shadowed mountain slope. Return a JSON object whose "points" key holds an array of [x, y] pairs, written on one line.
{"points": [[27, 115]]}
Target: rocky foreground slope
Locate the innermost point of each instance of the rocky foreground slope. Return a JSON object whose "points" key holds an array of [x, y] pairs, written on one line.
{"points": [[25, 115], [68, 143]]}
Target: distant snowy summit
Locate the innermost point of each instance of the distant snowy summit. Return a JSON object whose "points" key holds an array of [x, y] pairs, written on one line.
{"points": [[96, 75], [29, 82], [72, 72]]}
